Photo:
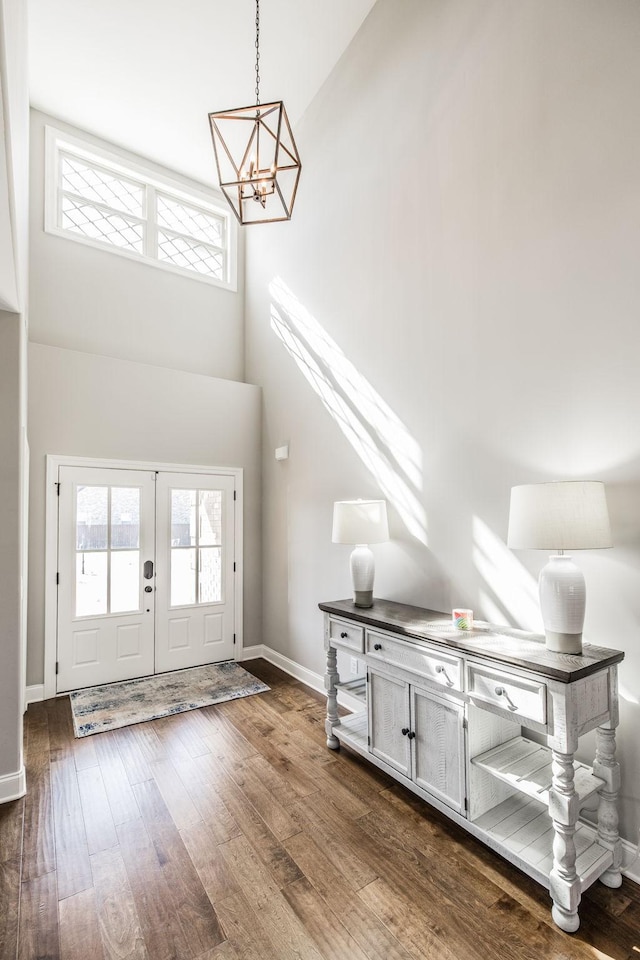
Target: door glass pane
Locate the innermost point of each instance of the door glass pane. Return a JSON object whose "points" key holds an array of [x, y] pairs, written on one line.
{"points": [[183, 518], [92, 509], [210, 517], [183, 577], [91, 584], [125, 581], [210, 577], [125, 517]]}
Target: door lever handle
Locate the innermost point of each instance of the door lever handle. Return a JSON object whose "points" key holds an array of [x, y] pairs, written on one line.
{"points": [[148, 569]]}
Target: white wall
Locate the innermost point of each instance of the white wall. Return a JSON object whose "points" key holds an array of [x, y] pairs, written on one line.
{"points": [[460, 284], [93, 300], [14, 145], [88, 406]]}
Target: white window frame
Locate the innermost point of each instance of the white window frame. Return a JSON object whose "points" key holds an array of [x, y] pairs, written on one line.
{"points": [[57, 142]]}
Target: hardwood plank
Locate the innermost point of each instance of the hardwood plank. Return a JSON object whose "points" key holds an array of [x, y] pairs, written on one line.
{"points": [[336, 839], [179, 736], [79, 928], [263, 842], [199, 781], [243, 930], [38, 843], [263, 799], [72, 854], [191, 904], [420, 936], [287, 769], [121, 799], [215, 876], [39, 934], [224, 951], [9, 906], [98, 822], [222, 738], [366, 929], [11, 827], [119, 926], [84, 753], [60, 726], [248, 872], [339, 792], [134, 760], [162, 931], [322, 924], [289, 937], [174, 793]]}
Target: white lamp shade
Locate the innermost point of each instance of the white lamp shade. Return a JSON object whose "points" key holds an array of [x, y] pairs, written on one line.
{"points": [[562, 515], [360, 521]]}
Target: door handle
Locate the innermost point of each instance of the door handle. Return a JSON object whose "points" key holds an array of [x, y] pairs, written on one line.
{"points": [[148, 569]]}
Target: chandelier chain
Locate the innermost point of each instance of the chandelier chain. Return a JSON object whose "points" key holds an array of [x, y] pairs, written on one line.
{"points": [[257, 53]]}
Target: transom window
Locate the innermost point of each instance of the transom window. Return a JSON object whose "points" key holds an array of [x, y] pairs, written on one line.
{"points": [[96, 198]]}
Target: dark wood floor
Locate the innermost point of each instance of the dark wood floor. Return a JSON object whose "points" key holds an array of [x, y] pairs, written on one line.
{"points": [[232, 833]]}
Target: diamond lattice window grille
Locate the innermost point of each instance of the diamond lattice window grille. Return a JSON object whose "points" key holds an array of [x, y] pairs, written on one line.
{"points": [[100, 224], [94, 183], [190, 221], [190, 255]]}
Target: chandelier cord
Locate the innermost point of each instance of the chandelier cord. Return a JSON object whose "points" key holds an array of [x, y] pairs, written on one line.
{"points": [[257, 53]]}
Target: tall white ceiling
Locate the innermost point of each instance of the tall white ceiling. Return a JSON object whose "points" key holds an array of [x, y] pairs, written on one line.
{"points": [[144, 74]]}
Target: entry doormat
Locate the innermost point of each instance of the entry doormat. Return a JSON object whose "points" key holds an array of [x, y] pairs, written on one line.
{"points": [[115, 705]]}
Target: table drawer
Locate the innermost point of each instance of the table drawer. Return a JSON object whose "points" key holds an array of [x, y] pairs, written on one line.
{"points": [[517, 696], [440, 668], [346, 633]]}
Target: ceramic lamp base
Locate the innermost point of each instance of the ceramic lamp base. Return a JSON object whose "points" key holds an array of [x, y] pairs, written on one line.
{"points": [[563, 642], [362, 574], [363, 598], [562, 603]]}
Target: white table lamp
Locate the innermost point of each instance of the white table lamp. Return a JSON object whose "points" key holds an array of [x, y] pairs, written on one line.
{"points": [[562, 515], [361, 522]]}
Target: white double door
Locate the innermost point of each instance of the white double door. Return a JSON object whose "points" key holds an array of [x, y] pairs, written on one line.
{"points": [[145, 573]]}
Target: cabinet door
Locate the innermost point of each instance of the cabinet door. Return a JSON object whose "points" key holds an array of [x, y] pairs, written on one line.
{"points": [[438, 747], [388, 717]]}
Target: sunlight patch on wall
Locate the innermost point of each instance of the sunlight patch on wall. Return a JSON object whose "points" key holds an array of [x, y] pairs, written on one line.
{"points": [[377, 435], [513, 588]]}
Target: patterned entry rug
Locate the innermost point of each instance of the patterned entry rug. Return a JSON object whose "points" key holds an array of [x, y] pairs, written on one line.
{"points": [[134, 701]]}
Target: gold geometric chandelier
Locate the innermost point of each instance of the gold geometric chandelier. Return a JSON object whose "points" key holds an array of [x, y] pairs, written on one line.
{"points": [[256, 156]]}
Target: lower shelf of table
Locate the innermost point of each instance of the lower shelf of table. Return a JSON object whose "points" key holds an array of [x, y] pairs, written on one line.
{"points": [[523, 827], [519, 828]]}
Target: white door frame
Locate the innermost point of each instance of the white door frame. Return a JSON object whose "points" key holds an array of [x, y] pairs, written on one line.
{"points": [[53, 462]]}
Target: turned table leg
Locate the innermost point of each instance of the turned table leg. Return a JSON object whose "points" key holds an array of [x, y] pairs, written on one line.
{"points": [[607, 768], [331, 678], [564, 883]]}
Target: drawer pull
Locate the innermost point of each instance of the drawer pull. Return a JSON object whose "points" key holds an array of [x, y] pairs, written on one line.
{"points": [[411, 735], [377, 646], [443, 671], [501, 692], [405, 731], [344, 635]]}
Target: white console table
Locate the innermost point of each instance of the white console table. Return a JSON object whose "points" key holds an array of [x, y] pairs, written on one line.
{"points": [[484, 726]]}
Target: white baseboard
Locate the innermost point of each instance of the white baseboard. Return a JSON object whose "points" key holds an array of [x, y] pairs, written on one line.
{"points": [[311, 679], [630, 861], [13, 786], [35, 693]]}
